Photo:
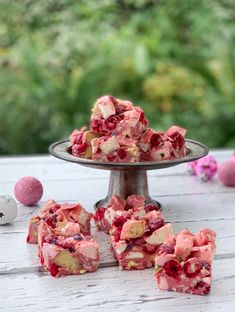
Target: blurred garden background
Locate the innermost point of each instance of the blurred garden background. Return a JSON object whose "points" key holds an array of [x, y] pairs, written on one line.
{"points": [[174, 58]]}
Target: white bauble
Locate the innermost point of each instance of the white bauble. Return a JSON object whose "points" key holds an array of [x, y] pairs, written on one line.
{"points": [[8, 209]]}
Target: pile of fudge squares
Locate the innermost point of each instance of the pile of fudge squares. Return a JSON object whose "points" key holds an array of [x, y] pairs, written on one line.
{"points": [[119, 132], [139, 238], [138, 234]]}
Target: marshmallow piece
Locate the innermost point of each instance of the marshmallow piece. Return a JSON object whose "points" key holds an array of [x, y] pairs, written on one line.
{"points": [[159, 235]]}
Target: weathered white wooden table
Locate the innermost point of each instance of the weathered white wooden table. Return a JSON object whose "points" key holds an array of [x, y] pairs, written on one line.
{"points": [[186, 202]]}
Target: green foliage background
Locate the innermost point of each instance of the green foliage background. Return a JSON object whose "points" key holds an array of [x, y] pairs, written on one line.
{"points": [[175, 58]]}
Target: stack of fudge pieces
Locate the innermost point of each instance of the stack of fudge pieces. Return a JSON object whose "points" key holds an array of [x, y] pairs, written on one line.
{"points": [[65, 245], [183, 262], [139, 238], [119, 132]]}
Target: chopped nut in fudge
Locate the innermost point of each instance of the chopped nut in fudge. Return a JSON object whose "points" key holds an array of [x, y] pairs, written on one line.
{"points": [[183, 262]]}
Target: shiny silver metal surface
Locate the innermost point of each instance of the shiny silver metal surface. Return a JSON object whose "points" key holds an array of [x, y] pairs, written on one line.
{"points": [[128, 178]]}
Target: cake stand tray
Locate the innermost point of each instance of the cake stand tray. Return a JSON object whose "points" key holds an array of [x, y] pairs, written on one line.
{"points": [[128, 178]]}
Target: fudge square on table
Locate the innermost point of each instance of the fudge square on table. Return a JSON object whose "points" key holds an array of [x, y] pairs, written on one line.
{"points": [[183, 262], [136, 236], [104, 217], [53, 213], [65, 250]]}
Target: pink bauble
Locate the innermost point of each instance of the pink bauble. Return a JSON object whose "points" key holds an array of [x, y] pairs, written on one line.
{"points": [[226, 172], [28, 191], [206, 168]]}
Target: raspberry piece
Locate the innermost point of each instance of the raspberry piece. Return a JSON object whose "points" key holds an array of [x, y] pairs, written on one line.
{"points": [[150, 250], [192, 267], [178, 140], [155, 224], [203, 286], [78, 149], [51, 239], [117, 233], [119, 221], [51, 221], [172, 268], [111, 123], [99, 215], [111, 157], [54, 269], [150, 207], [165, 249], [122, 153], [96, 125], [28, 239], [156, 139]]}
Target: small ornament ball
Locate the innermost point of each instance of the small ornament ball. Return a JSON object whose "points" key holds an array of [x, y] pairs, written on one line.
{"points": [[206, 168], [226, 172], [28, 191], [8, 209]]}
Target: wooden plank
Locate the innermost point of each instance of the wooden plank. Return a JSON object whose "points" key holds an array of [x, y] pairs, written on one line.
{"points": [[178, 208], [50, 168], [185, 200], [112, 290], [22, 256], [80, 190]]}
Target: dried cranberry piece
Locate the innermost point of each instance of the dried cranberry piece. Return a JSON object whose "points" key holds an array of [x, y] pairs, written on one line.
{"points": [[77, 138], [51, 239], [79, 149], [111, 157], [77, 237], [150, 207], [205, 265], [111, 123], [54, 269], [28, 239], [164, 248], [119, 221], [192, 267], [99, 215], [150, 250], [117, 233], [155, 224], [113, 99], [122, 153], [51, 221], [205, 287], [178, 140], [156, 139], [53, 210], [96, 125], [130, 245], [172, 268]]}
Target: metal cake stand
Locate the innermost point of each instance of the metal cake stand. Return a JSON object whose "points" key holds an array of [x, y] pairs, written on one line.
{"points": [[128, 178]]}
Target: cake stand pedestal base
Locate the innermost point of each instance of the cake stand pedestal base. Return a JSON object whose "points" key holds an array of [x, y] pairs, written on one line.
{"points": [[125, 183]]}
